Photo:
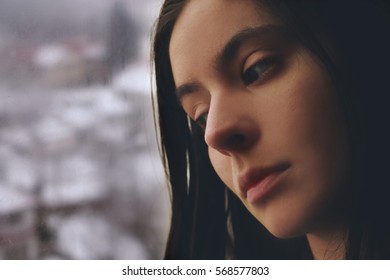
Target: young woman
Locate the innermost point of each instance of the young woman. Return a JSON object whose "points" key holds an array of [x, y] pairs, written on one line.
{"points": [[273, 119]]}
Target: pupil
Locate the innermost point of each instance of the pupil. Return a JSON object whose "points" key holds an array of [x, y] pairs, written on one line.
{"points": [[252, 76]]}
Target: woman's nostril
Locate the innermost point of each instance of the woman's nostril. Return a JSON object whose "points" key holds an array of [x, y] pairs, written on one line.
{"points": [[233, 135], [236, 140]]}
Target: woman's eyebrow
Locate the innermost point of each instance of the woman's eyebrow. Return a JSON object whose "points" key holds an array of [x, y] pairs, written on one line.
{"points": [[262, 34], [186, 89]]}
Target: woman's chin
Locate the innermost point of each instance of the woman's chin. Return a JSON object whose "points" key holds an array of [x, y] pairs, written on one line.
{"points": [[280, 228], [284, 233]]}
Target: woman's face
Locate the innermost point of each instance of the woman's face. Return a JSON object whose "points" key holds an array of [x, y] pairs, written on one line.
{"points": [[272, 121]]}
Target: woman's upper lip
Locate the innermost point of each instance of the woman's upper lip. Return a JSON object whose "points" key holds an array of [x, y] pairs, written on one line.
{"points": [[254, 175]]}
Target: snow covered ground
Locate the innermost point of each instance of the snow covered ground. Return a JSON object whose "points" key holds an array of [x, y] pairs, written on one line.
{"points": [[90, 145], [80, 174]]}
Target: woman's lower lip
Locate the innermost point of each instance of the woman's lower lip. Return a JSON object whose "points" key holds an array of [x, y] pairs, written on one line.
{"points": [[262, 188]]}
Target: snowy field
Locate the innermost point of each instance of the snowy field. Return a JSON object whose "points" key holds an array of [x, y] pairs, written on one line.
{"points": [[80, 173]]}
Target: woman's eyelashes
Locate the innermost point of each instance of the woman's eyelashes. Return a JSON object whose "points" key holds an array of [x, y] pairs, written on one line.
{"points": [[202, 121], [259, 70]]}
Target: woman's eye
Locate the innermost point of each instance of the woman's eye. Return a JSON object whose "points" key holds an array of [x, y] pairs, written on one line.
{"points": [[202, 120], [258, 70]]}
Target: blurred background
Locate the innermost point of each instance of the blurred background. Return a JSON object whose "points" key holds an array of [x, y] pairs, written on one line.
{"points": [[80, 174]]}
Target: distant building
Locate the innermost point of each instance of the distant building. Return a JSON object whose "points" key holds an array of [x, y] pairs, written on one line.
{"points": [[72, 63], [18, 237]]}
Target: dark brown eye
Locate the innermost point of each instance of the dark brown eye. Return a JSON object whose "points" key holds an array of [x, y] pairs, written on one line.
{"points": [[202, 120], [258, 70]]}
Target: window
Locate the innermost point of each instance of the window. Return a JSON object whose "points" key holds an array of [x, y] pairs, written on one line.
{"points": [[76, 128]]}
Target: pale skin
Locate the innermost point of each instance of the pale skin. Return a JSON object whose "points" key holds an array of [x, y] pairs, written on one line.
{"points": [[265, 102]]}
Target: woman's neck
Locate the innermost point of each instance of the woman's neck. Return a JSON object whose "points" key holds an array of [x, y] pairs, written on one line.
{"points": [[328, 244]]}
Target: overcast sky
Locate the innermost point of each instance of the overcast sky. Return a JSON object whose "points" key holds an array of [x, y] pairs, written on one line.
{"points": [[26, 18], [31, 17]]}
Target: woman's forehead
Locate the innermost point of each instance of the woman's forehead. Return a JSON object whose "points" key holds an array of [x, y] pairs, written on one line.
{"points": [[201, 17], [204, 27]]}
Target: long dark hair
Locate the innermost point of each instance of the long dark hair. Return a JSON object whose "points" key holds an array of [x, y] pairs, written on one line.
{"points": [[352, 40]]}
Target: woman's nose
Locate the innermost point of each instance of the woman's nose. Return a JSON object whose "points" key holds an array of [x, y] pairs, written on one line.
{"points": [[231, 127]]}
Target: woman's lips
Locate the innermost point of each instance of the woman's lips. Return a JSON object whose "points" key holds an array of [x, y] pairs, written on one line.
{"points": [[258, 183]]}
